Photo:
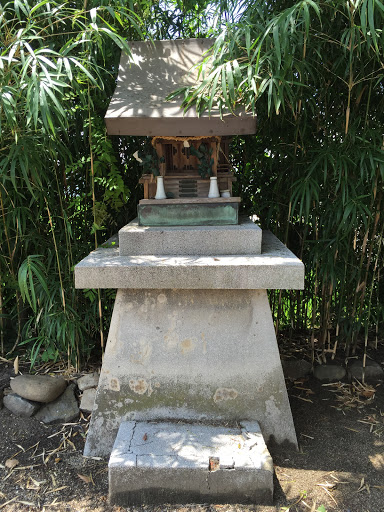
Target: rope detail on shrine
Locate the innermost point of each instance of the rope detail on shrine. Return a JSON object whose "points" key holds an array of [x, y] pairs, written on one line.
{"points": [[156, 139]]}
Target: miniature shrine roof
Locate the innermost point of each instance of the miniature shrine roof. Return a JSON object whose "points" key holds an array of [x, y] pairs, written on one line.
{"points": [[139, 107]]}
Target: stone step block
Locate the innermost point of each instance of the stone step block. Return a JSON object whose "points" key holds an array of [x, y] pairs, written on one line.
{"points": [[242, 239], [171, 462]]}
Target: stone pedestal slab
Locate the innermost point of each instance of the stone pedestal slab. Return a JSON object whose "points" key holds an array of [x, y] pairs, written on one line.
{"points": [[185, 463], [276, 267], [197, 355]]}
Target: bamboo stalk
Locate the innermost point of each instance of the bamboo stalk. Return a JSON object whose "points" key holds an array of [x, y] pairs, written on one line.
{"points": [[94, 213], [12, 272], [1, 318], [56, 253], [363, 283]]}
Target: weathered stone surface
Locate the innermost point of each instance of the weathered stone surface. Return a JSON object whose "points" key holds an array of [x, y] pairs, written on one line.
{"points": [[90, 380], [276, 267], [62, 410], [185, 463], [296, 369], [244, 238], [20, 406], [190, 355], [39, 388], [372, 371], [329, 372], [88, 400]]}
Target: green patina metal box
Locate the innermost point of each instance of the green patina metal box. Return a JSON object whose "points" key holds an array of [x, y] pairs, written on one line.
{"points": [[189, 212]]}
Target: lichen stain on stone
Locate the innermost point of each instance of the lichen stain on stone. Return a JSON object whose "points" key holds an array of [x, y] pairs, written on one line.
{"points": [[271, 409], [149, 304], [161, 298], [142, 353], [139, 386], [222, 394], [187, 345], [114, 384], [171, 338], [204, 341]]}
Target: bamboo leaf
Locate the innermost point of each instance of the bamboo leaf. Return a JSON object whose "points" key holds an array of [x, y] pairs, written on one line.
{"points": [[276, 40], [371, 22], [38, 6], [229, 77]]}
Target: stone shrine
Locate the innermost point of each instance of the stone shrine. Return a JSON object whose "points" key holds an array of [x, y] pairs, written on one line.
{"points": [[191, 385]]}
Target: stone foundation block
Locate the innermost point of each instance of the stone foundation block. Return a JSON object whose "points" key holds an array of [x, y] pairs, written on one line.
{"points": [[156, 463]]}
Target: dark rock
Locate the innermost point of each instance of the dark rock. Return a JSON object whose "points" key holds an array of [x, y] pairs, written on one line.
{"points": [[39, 388], [91, 380], [329, 372], [372, 371], [63, 410], [1, 398], [88, 400], [296, 369], [20, 406], [4, 378]]}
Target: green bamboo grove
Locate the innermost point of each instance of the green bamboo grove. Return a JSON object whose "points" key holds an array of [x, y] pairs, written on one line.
{"points": [[311, 71]]}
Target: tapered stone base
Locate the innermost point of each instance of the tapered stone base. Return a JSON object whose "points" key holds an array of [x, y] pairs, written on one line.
{"points": [[190, 355]]}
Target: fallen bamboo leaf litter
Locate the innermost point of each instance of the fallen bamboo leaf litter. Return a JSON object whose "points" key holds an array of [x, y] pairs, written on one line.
{"points": [[364, 486], [355, 395], [57, 489], [303, 399], [7, 502], [11, 463], [86, 478]]}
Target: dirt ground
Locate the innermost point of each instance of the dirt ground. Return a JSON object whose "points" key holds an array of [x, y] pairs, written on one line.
{"points": [[340, 465]]}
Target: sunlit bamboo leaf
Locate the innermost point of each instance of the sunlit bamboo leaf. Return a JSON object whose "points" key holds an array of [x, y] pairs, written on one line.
{"points": [[38, 5], [85, 71], [248, 40], [229, 77]]}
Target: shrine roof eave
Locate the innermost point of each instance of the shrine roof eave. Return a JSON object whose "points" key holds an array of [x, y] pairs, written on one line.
{"points": [[179, 127], [156, 69]]}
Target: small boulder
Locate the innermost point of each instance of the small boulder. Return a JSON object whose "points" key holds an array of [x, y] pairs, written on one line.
{"points": [[372, 371], [329, 372], [20, 406], [63, 410], [39, 388], [296, 369], [88, 399], [91, 380]]}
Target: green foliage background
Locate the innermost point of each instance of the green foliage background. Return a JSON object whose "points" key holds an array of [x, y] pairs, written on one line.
{"points": [[312, 71]]}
